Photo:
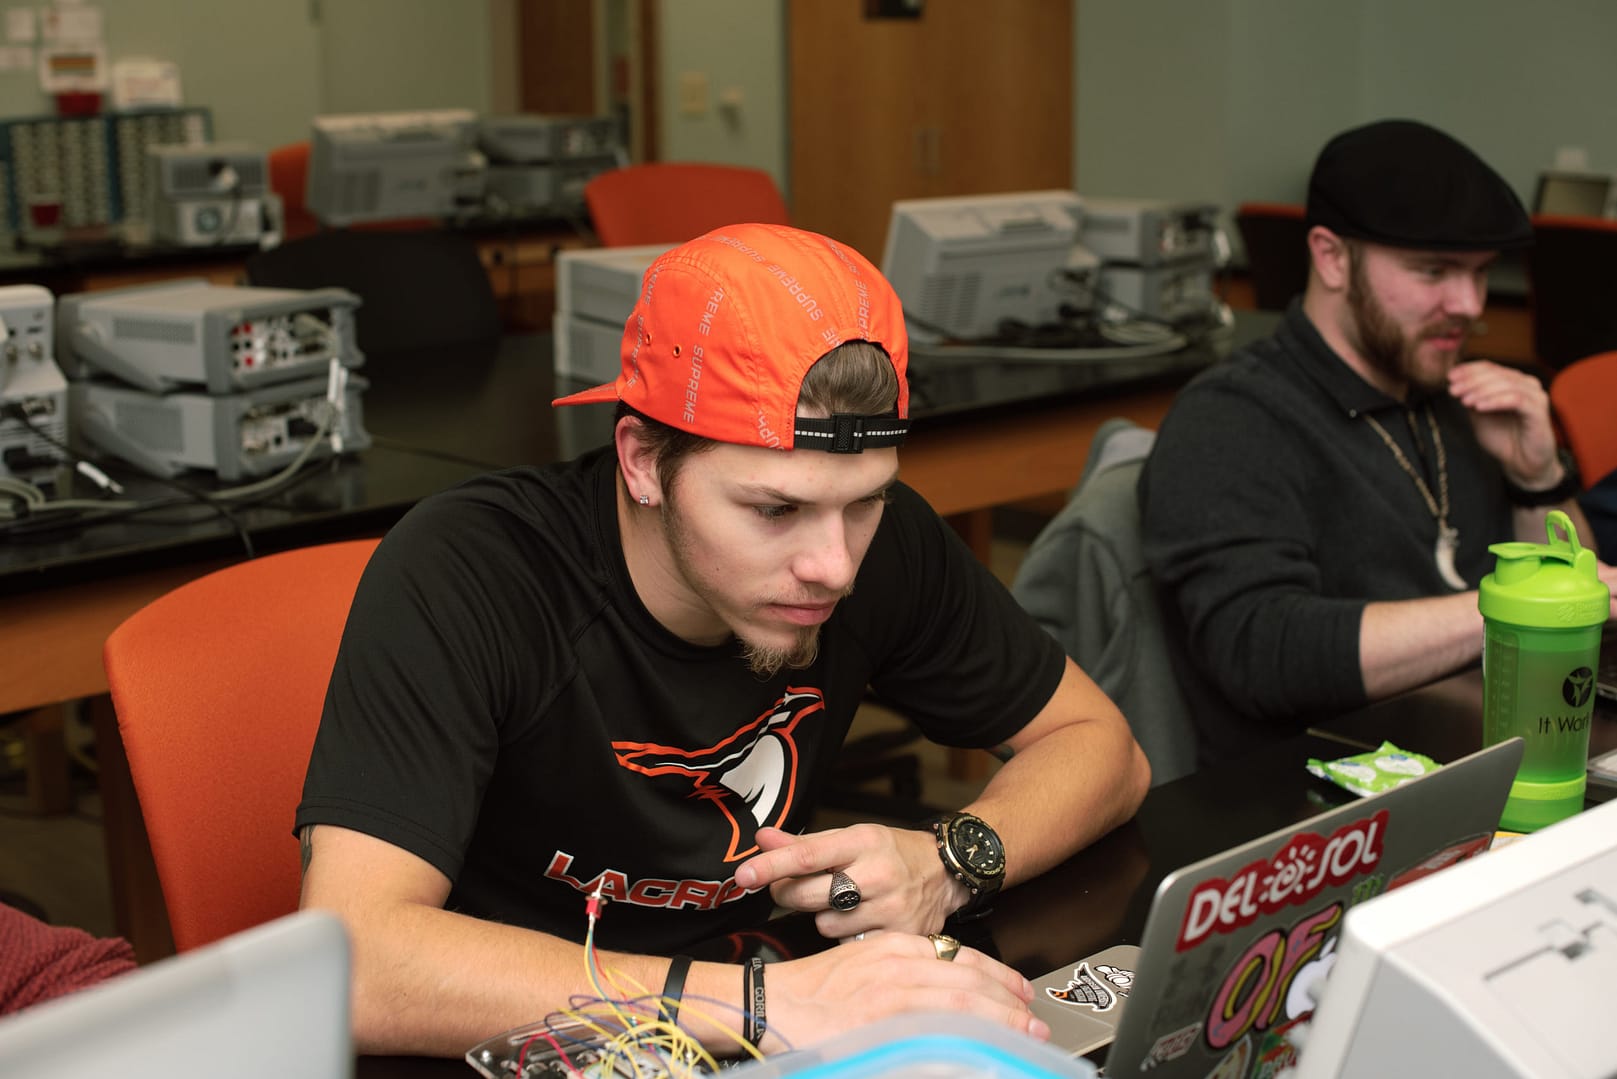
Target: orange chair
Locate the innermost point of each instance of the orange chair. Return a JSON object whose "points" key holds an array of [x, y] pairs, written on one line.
{"points": [[1584, 395], [289, 178], [1275, 236], [669, 202], [218, 688]]}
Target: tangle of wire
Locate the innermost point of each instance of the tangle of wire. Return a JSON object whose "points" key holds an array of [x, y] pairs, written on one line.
{"points": [[27, 510], [1084, 329], [620, 1030]]}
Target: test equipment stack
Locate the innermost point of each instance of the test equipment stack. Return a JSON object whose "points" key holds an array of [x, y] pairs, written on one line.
{"points": [[391, 165], [85, 172], [234, 380], [211, 194], [596, 289], [1157, 258], [33, 393], [538, 165]]}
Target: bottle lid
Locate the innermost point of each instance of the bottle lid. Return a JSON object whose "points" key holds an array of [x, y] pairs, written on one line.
{"points": [[1554, 585]]}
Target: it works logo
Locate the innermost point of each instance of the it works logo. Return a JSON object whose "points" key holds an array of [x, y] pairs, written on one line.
{"points": [[1578, 685]]}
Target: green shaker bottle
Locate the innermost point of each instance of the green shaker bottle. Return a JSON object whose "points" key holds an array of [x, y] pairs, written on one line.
{"points": [[1543, 607]]}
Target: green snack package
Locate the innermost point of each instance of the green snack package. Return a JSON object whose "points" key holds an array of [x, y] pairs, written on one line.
{"points": [[1373, 772]]}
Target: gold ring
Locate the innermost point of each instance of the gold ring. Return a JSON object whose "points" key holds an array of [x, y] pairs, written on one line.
{"points": [[945, 946]]}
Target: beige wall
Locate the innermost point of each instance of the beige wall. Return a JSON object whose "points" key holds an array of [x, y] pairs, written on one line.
{"points": [[1229, 100], [1223, 100], [265, 67], [739, 47]]}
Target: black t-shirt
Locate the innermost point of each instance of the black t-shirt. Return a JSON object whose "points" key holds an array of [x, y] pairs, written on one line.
{"points": [[504, 707], [1272, 513]]}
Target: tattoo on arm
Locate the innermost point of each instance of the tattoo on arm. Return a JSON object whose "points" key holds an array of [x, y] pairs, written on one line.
{"points": [[306, 846]]}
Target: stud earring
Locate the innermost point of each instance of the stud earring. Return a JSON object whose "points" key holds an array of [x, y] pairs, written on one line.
{"points": [[645, 500]]}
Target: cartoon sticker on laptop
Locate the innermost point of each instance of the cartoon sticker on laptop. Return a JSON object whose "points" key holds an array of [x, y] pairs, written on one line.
{"points": [[1098, 989]]}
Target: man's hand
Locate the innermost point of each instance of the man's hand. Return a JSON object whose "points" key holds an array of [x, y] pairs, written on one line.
{"points": [[900, 877], [885, 974], [1510, 413]]}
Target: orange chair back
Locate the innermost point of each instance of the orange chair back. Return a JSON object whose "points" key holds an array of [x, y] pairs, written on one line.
{"points": [[1584, 395], [218, 688], [671, 202], [289, 178]]}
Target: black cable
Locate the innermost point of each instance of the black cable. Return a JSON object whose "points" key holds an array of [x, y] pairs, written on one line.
{"points": [[45, 521], [190, 492]]}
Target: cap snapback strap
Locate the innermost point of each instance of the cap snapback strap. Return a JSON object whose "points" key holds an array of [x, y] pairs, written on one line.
{"points": [[848, 433]]}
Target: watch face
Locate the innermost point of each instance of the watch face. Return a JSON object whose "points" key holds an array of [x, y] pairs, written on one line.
{"points": [[976, 845]]}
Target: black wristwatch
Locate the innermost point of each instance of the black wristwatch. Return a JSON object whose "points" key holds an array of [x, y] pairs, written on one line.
{"points": [[1571, 484], [973, 854]]}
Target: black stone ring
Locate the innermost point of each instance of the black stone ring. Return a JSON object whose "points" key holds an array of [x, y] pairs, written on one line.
{"points": [[844, 892]]}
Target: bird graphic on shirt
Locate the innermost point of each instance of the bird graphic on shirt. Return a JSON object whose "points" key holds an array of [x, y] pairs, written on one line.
{"points": [[756, 765]]}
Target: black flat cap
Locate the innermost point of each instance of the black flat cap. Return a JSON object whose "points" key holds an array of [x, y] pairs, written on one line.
{"points": [[1405, 184]]}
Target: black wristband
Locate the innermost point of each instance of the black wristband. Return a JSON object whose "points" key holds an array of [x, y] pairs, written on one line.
{"points": [[674, 988], [752, 1001], [1571, 483]]}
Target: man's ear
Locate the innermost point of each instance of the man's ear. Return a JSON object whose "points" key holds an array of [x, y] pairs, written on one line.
{"points": [[1331, 260], [637, 460]]}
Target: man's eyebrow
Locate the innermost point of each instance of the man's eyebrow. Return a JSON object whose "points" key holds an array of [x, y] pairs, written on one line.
{"points": [[1446, 258], [772, 494]]}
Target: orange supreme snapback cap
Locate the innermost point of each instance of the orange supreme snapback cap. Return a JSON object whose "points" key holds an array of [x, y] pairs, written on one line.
{"points": [[728, 324]]}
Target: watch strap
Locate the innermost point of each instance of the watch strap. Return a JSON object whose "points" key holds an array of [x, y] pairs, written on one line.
{"points": [[1571, 484]]}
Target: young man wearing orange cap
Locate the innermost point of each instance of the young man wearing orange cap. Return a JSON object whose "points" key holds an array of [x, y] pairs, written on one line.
{"points": [[1318, 509], [629, 675]]}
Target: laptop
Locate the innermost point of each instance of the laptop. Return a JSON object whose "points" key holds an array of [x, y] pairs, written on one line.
{"points": [[267, 1003], [1234, 945]]}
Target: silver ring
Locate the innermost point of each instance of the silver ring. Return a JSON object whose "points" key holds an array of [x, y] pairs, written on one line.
{"points": [[944, 945], [845, 893]]}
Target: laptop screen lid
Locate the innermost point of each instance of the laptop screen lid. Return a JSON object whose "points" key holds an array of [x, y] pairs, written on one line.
{"points": [[1232, 943], [267, 1003]]}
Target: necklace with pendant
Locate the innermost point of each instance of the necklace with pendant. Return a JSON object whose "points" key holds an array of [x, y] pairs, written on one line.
{"points": [[1448, 537]]}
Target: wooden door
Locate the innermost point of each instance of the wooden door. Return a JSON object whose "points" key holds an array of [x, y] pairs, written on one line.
{"points": [[557, 58], [968, 98]]}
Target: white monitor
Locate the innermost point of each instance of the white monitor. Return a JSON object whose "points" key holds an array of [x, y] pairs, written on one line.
{"points": [[1578, 194], [1504, 965], [270, 1002], [389, 165], [962, 266]]}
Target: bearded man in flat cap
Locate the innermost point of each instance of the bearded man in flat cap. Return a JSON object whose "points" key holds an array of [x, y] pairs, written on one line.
{"points": [[1317, 510]]}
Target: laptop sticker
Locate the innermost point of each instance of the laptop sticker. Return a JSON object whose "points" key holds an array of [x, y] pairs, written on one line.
{"points": [[1098, 990]]}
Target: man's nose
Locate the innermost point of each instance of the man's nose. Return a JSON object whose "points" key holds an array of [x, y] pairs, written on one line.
{"points": [[825, 558], [1467, 295]]}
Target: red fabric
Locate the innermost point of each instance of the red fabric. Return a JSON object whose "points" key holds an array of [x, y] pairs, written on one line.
{"points": [[40, 961]]}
